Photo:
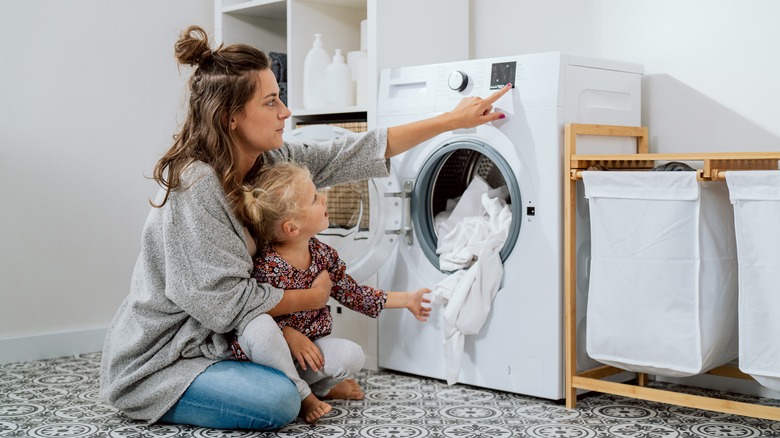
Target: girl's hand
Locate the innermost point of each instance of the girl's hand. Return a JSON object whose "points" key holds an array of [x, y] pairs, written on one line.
{"points": [[303, 349], [415, 304]]}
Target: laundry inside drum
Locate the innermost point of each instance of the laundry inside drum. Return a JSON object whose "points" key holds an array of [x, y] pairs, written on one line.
{"points": [[448, 193], [456, 172]]}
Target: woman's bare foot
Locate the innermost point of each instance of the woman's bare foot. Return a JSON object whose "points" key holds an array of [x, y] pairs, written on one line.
{"points": [[347, 389], [312, 408]]}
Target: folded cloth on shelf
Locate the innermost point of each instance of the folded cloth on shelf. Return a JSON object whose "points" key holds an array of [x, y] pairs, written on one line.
{"points": [[472, 249]]}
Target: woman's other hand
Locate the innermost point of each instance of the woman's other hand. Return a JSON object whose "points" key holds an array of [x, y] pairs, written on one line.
{"points": [[320, 290]]}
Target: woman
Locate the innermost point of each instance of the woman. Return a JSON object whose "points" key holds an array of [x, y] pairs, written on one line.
{"points": [[166, 354]]}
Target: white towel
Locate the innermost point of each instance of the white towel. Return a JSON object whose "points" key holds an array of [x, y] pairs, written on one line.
{"points": [[474, 244]]}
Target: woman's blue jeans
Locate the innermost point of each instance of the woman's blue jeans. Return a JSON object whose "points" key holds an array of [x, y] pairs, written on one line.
{"points": [[234, 394]]}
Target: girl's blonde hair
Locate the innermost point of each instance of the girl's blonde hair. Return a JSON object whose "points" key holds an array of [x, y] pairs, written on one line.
{"points": [[271, 200]]}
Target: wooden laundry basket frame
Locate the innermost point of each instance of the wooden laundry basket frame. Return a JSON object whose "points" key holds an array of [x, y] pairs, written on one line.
{"points": [[714, 167]]}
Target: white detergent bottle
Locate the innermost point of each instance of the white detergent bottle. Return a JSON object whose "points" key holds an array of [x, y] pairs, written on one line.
{"points": [[338, 77], [314, 84]]}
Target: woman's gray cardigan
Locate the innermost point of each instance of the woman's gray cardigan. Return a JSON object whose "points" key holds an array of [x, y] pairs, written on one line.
{"points": [[191, 286]]}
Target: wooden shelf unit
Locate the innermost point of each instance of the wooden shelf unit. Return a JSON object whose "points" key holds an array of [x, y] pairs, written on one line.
{"points": [[714, 167]]}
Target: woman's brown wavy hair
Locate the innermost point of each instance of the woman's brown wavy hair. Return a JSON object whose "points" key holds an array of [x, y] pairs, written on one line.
{"points": [[223, 82]]}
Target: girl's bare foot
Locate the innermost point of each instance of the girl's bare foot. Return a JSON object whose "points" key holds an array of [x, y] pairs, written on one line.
{"points": [[312, 408], [347, 389]]}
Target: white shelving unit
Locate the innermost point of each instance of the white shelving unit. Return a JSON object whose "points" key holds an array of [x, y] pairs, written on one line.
{"points": [[400, 33]]}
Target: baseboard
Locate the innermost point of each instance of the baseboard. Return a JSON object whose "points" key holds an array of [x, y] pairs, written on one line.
{"points": [[371, 363], [38, 347]]}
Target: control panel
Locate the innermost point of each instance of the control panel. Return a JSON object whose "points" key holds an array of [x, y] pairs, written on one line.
{"points": [[502, 73]]}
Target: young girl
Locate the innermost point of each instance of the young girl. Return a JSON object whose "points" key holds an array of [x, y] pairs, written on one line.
{"points": [[286, 212]]}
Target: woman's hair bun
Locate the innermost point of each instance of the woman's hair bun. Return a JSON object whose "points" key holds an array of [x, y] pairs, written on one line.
{"points": [[193, 46]]}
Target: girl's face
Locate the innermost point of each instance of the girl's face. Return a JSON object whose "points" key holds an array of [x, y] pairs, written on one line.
{"points": [[312, 214], [259, 127]]}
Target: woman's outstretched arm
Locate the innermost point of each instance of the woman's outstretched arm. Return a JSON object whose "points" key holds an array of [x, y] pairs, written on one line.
{"points": [[470, 112]]}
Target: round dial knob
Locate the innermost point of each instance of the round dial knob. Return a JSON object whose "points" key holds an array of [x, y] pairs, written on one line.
{"points": [[458, 80]]}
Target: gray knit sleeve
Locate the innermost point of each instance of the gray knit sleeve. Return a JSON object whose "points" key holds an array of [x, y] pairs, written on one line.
{"points": [[350, 158], [207, 262]]}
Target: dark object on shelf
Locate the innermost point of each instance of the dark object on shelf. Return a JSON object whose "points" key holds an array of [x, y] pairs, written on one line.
{"points": [[279, 69], [674, 166]]}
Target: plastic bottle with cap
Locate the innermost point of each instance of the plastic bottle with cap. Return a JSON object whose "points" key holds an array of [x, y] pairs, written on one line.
{"points": [[354, 61], [314, 83], [338, 77]]}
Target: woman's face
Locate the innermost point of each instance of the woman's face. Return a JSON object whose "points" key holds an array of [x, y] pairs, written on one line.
{"points": [[259, 127]]}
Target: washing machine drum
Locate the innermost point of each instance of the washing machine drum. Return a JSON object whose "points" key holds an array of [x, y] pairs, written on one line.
{"points": [[446, 174]]}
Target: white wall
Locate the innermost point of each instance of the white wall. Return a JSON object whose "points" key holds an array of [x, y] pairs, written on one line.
{"points": [[712, 70], [517, 27], [89, 99], [712, 66]]}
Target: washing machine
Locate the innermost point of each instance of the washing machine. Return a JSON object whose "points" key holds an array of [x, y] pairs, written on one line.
{"points": [[520, 346]]}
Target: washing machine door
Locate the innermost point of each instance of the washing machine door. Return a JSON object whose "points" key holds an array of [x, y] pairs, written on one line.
{"points": [[367, 217], [443, 177]]}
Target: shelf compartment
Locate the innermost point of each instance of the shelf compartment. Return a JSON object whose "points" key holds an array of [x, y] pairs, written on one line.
{"points": [[273, 9]]}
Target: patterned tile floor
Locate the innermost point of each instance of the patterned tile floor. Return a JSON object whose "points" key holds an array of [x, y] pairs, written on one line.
{"points": [[58, 398]]}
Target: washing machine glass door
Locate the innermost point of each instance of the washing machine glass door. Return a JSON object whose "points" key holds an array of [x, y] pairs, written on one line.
{"points": [[366, 217]]}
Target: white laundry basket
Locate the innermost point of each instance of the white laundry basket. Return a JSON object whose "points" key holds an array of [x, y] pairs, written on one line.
{"points": [[756, 199], [663, 279]]}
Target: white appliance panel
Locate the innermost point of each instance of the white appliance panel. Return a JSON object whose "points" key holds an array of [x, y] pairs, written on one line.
{"points": [[520, 347]]}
